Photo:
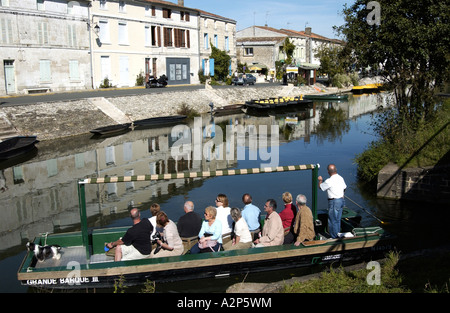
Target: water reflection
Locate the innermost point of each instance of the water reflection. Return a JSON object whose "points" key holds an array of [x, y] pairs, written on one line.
{"points": [[42, 194]]}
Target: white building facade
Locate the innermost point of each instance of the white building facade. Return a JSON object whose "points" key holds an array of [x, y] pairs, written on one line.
{"points": [[148, 38], [220, 32], [44, 46]]}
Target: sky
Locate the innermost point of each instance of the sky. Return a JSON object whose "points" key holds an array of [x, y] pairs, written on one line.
{"points": [[320, 15]]}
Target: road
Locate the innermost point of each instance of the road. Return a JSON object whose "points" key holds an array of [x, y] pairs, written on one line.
{"points": [[113, 92]]}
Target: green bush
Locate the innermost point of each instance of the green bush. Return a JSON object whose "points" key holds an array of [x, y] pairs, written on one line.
{"points": [[406, 146], [140, 79], [341, 80]]}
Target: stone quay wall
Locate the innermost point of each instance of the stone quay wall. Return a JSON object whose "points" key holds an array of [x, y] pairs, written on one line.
{"points": [[51, 120], [430, 184]]}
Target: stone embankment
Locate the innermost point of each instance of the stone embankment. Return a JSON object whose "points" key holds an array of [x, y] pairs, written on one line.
{"points": [[61, 119]]}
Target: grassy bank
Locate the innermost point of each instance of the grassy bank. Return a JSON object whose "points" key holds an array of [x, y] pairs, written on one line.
{"points": [[420, 274], [426, 146]]}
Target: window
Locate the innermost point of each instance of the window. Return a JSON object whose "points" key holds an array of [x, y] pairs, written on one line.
{"points": [[123, 33], [216, 41], [74, 73], [43, 33], [167, 13], [71, 7], [40, 5], [71, 36], [180, 38], [184, 16], [167, 33], [122, 7], [103, 5], [5, 31], [248, 51], [154, 34], [227, 44], [104, 31], [148, 36], [205, 41], [45, 73]]}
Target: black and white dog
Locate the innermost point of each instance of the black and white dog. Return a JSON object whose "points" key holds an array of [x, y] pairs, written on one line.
{"points": [[43, 252]]}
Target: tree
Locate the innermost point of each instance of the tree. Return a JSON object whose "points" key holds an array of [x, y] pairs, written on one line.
{"points": [[408, 47], [288, 49], [221, 63], [330, 62]]}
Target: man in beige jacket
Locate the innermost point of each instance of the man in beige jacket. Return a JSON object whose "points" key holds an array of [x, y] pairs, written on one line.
{"points": [[273, 231], [303, 225]]}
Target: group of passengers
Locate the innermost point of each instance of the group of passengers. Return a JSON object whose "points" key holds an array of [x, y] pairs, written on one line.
{"points": [[241, 229]]}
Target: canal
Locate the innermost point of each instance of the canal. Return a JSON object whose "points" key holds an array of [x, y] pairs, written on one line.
{"points": [[41, 193]]}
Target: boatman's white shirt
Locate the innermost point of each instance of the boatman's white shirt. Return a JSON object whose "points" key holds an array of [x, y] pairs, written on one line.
{"points": [[335, 186]]}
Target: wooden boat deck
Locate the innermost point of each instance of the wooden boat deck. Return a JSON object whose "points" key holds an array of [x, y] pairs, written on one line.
{"points": [[73, 254]]}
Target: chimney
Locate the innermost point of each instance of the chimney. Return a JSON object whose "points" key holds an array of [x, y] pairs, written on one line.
{"points": [[308, 31], [181, 3]]}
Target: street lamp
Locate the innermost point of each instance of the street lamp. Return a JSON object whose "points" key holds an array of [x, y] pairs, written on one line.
{"points": [[96, 28]]}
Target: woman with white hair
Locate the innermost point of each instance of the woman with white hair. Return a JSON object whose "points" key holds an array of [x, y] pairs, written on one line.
{"points": [[242, 238]]}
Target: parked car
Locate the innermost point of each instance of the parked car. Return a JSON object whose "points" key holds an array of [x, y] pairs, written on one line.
{"points": [[244, 79]]}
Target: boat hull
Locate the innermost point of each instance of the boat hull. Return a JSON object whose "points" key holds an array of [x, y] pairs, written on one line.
{"points": [[74, 274], [158, 121], [326, 97], [15, 146], [111, 130]]}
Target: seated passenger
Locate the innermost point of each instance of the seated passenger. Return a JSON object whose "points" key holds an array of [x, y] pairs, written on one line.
{"points": [[303, 224], [288, 214], [288, 217], [135, 244], [190, 223], [210, 234], [251, 213], [223, 213], [154, 209], [171, 244], [273, 231], [242, 238]]}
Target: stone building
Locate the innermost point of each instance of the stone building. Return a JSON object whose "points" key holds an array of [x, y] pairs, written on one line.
{"points": [[221, 33], [44, 46], [148, 38], [62, 45], [262, 45]]}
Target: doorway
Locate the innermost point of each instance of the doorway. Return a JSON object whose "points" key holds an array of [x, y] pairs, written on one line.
{"points": [[10, 80]]}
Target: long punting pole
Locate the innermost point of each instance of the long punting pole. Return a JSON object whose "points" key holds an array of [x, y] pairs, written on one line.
{"points": [[203, 174]]}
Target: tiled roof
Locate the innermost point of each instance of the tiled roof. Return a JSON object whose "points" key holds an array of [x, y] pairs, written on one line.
{"points": [[259, 39], [172, 4]]}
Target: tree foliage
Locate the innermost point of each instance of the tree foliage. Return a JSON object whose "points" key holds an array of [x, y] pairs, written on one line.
{"points": [[288, 49], [409, 48], [221, 63]]}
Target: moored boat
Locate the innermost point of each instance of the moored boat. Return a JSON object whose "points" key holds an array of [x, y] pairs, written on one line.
{"points": [[158, 121], [16, 146], [228, 109], [84, 264], [111, 129], [326, 97], [275, 103]]}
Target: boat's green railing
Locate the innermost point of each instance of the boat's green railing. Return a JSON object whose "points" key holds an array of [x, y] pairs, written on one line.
{"points": [[203, 174]]}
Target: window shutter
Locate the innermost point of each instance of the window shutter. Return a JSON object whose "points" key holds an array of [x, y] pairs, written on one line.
{"points": [[188, 39]]}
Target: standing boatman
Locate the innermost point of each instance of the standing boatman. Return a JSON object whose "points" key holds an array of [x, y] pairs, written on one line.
{"points": [[335, 187]]}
